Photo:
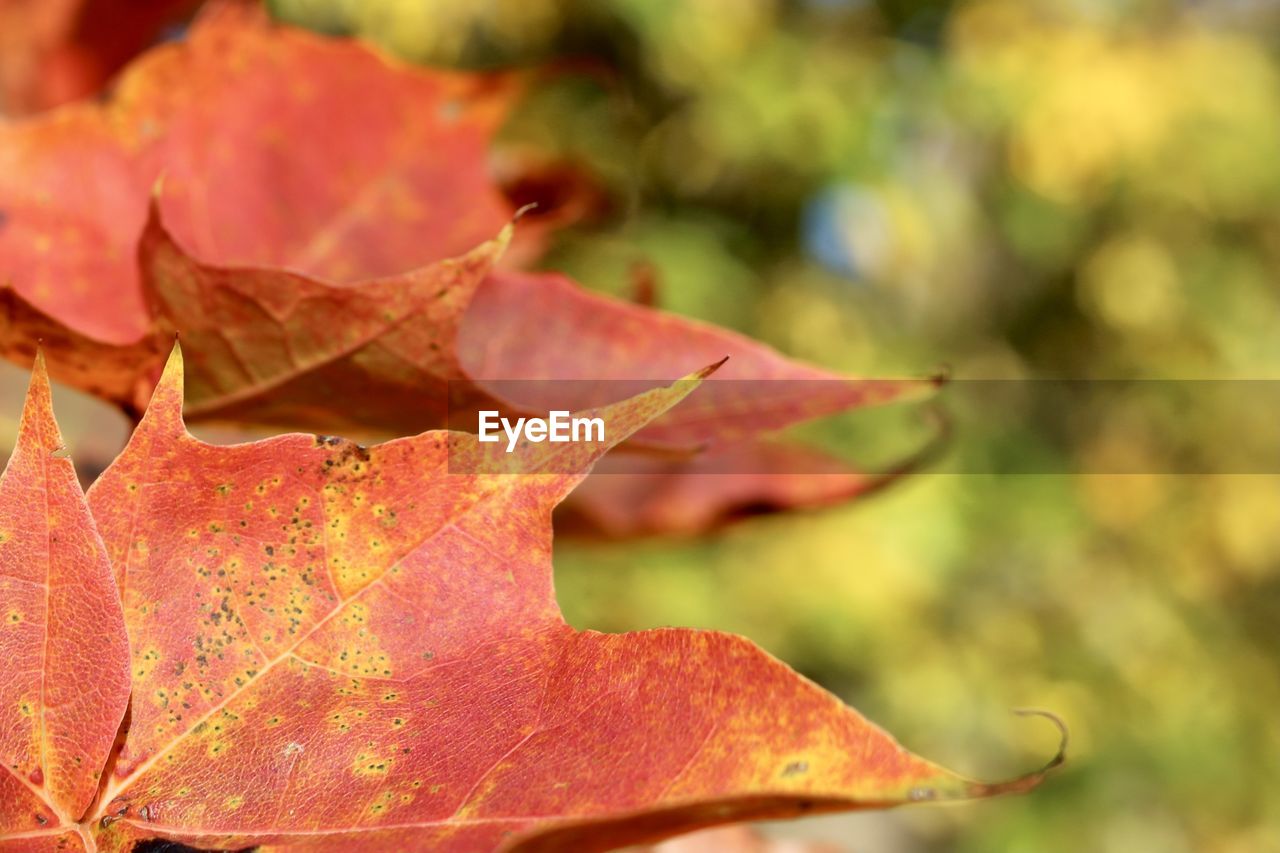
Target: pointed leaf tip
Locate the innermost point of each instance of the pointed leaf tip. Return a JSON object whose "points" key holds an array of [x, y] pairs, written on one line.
{"points": [[174, 363], [711, 368], [38, 428], [174, 371], [623, 419], [38, 368], [164, 411]]}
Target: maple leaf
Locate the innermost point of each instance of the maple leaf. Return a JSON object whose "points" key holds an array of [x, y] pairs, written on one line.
{"points": [[278, 148], [609, 341], [332, 645], [639, 495], [287, 250], [55, 51], [65, 683], [440, 341], [276, 223]]}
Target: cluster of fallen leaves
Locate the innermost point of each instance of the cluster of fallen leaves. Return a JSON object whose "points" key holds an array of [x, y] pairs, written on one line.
{"points": [[302, 643]]}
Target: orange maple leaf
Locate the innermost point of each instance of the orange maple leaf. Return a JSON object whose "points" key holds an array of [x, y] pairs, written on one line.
{"points": [[334, 646], [302, 175], [306, 182]]}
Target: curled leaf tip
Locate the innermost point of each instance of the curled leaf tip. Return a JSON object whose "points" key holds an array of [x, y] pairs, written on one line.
{"points": [[1028, 781], [1064, 733], [508, 232]]}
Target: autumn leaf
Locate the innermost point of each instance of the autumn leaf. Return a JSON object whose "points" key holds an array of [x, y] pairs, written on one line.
{"points": [[331, 644], [611, 341], [277, 219], [278, 148], [451, 325], [55, 51], [65, 682], [280, 348], [640, 495], [306, 263]]}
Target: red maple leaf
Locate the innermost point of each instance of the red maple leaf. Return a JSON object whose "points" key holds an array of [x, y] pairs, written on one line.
{"points": [[331, 645], [300, 185]]}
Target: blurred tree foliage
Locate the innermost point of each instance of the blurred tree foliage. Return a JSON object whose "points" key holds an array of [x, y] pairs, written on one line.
{"points": [[1019, 188]]}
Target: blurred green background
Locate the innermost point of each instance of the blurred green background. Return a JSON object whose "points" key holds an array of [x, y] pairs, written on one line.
{"points": [[1046, 188]]}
